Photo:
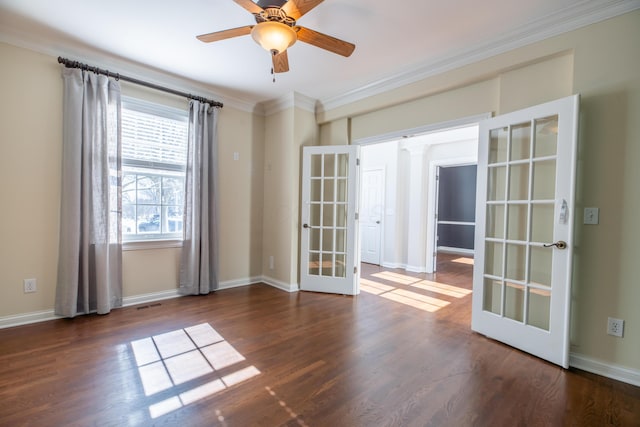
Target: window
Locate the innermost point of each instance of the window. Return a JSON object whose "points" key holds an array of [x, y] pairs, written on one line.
{"points": [[154, 152]]}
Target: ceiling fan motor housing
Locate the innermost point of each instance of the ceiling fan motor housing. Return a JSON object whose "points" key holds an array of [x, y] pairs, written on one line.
{"points": [[275, 14], [271, 3]]}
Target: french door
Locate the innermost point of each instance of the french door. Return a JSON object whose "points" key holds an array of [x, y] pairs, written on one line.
{"points": [[329, 239], [524, 228]]}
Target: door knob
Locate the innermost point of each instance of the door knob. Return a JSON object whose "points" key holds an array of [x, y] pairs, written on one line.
{"points": [[377, 222], [305, 225], [560, 244]]}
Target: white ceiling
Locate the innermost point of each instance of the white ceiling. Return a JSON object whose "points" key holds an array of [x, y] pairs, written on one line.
{"points": [[396, 42]]}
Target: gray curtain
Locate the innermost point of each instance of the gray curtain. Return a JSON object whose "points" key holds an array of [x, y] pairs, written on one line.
{"points": [[199, 262], [90, 253]]}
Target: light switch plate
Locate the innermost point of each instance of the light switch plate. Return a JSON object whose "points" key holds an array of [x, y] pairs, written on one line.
{"points": [[591, 215]]}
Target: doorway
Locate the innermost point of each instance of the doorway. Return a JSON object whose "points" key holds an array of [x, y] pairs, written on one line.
{"points": [[398, 195], [455, 209]]}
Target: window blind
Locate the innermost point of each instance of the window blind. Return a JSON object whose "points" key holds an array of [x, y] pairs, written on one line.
{"points": [[152, 139]]}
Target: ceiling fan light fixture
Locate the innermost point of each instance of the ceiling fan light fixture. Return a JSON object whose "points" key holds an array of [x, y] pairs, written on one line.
{"points": [[274, 36]]}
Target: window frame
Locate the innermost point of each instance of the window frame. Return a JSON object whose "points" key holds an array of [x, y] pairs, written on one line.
{"points": [[135, 166]]}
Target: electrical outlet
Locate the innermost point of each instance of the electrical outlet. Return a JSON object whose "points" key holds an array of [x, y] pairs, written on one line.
{"points": [[30, 286], [615, 327]]}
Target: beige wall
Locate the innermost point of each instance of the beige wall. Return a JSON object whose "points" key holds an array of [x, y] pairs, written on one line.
{"points": [[30, 175], [285, 133], [607, 74], [601, 62], [306, 133], [279, 213], [241, 194], [478, 98], [536, 83], [30, 165], [335, 133]]}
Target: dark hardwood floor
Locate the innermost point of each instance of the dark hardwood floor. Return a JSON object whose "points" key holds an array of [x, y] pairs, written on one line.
{"points": [[399, 354]]}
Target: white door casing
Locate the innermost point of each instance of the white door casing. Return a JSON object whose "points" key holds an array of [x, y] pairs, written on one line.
{"points": [[329, 246], [525, 202]]}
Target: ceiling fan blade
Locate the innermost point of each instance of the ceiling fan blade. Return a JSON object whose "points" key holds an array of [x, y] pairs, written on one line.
{"points": [[249, 6], [225, 34], [280, 62], [325, 42], [297, 8]]}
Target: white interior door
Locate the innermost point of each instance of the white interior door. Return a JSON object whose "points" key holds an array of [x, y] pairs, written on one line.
{"points": [[524, 228], [329, 240], [371, 210]]}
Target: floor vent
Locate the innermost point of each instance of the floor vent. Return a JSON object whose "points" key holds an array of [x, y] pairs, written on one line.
{"points": [[148, 306]]}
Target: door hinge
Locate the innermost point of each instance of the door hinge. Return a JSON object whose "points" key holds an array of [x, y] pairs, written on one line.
{"points": [[355, 270], [357, 216], [357, 162]]}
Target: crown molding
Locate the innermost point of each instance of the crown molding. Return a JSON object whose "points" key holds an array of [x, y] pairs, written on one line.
{"points": [[105, 60], [568, 19], [294, 99]]}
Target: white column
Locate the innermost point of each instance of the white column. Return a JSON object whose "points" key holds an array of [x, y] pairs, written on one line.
{"points": [[417, 203]]}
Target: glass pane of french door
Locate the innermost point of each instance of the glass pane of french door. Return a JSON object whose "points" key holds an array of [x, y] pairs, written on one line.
{"points": [[328, 222], [519, 221]]}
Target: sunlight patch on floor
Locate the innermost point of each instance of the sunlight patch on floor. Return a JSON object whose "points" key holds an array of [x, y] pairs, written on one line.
{"points": [[374, 287], [441, 288], [408, 297], [404, 296], [400, 279], [185, 355], [413, 301], [463, 260]]}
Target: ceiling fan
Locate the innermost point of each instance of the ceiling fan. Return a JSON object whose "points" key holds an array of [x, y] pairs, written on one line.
{"points": [[276, 30]]}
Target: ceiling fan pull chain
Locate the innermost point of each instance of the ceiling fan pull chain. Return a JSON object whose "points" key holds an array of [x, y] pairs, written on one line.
{"points": [[273, 74]]}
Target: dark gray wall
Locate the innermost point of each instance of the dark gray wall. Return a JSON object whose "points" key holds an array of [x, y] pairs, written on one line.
{"points": [[457, 202]]}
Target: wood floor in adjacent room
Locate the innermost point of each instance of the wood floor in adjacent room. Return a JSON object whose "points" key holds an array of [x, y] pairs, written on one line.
{"points": [[399, 354]]}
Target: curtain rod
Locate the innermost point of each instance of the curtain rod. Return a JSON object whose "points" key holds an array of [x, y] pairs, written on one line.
{"points": [[75, 64]]}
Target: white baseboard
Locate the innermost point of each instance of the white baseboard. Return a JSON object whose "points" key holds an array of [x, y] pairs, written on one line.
{"points": [[287, 287], [27, 318], [416, 269], [605, 369], [411, 268], [392, 265], [152, 297], [402, 266], [230, 284], [44, 315], [456, 251]]}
